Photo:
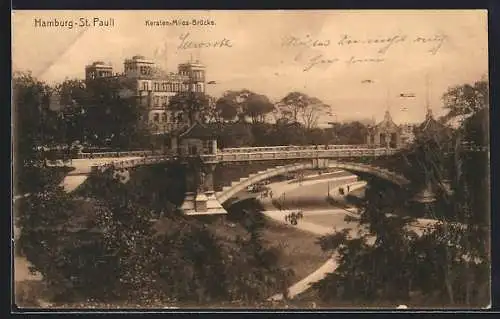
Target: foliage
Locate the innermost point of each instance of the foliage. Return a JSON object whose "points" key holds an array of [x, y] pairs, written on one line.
{"points": [[131, 243], [242, 104], [466, 99], [226, 108], [447, 263], [193, 106], [34, 124], [236, 135], [106, 116], [350, 133], [297, 106]]}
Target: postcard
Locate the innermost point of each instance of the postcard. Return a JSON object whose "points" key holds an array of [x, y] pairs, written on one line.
{"points": [[286, 159]]}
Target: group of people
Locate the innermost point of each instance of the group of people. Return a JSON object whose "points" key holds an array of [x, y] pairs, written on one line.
{"points": [[266, 193], [342, 191], [293, 217]]}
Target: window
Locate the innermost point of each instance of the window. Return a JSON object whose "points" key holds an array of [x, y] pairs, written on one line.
{"points": [[156, 117], [192, 150], [199, 87], [164, 87], [164, 117], [145, 86]]}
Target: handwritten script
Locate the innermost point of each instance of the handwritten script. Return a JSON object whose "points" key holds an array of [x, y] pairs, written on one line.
{"points": [[381, 46], [186, 43]]}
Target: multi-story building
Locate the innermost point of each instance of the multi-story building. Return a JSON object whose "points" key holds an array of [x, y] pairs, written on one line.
{"points": [[98, 69], [153, 87]]}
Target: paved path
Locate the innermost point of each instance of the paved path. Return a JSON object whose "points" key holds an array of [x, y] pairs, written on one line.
{"points": [[82, 168], [331, 264]]}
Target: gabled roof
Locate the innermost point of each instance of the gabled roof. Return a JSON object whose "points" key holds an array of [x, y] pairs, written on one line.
{"points": [[430, 125], [200, 131], [386, 123]]}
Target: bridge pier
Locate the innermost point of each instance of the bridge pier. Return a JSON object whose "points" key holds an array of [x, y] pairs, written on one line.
{"points": [[203, 201], [320, 162]]}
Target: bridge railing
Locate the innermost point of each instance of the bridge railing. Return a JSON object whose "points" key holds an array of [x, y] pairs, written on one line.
{"points": [[154, 159], [292, 148], [307, 153], [114, 154]]}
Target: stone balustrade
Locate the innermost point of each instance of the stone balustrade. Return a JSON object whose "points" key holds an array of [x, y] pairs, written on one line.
{"points": [[293, 148], [114, 154], [277, 154], [259, 154]]}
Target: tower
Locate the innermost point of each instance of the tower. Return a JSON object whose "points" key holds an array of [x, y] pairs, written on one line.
{"points": [[195, 73], [138, 67], [98, 69]]}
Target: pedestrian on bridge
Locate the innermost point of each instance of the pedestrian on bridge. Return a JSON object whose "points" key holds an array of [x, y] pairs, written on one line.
{"points": [[271, 194]]}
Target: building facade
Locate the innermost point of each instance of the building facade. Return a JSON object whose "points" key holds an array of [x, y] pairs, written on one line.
{"points": [[154, 87], [385, 133]]}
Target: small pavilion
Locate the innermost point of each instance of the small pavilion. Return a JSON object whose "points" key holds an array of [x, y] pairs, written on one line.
{"points": [[193, 142], [385, 133]]}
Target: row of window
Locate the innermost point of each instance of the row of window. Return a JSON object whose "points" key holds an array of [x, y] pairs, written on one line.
{"points": [[162, 118], [101, 74], [159, 117], [160, 101], [144, 70], [193, 74], [171, 87]]}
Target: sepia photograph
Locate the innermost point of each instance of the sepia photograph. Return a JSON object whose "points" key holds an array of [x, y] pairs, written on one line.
{"points": [[251, 159]]}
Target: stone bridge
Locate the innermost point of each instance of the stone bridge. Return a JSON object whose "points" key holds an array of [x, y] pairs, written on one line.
{"points": [[237, 186], [207, 201]]}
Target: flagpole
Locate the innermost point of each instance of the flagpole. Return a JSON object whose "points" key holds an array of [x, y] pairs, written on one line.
{"points": [[427, 100]]}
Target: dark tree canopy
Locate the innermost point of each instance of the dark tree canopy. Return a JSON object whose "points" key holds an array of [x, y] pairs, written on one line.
{"points": [[297, 106], [448, 264], [243, 104]]}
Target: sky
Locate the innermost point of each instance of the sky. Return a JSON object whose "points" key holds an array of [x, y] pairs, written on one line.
{"points": [[368, 58]]}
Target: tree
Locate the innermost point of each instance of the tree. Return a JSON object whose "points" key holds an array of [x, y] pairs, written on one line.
{"points": [[449, 262], [236, 135], [113, 118], [127, 241], [350, 133], [101, 112], [298, 106], [226, 108], [465, 100], [192, 105], [244, 103], [256, 107], [35, 124]]}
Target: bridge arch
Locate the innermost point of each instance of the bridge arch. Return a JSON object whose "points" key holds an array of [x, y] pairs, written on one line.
{"points": [[237, 186]]}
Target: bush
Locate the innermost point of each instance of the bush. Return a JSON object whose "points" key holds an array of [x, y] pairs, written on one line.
{"points": [[118, 247]]}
